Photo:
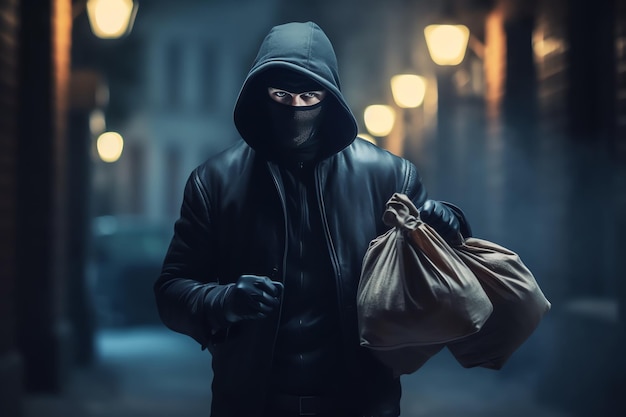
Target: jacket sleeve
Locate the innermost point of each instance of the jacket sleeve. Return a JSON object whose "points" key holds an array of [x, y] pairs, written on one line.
{"points": [[188, 297], [416, 191], [413, 187]]}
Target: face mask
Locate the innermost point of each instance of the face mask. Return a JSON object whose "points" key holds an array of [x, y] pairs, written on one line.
{"points": [[293, 126]]}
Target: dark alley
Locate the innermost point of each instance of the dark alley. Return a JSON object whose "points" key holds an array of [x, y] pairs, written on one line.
{"points": [[99, 132]]}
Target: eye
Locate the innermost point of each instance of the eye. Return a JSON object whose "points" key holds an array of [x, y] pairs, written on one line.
{"points": [[311, 94], [278, 94]]}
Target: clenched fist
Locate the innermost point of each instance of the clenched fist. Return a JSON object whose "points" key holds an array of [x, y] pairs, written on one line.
{"points": [[252, 297]]}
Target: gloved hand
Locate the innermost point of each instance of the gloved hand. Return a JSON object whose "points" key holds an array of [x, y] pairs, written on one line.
{"points": [[252, 297], [441, 218]]}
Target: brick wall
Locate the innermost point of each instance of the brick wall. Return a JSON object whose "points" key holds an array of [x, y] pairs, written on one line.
{"points": [[61, 44], [9, 359], [40, 259], [8, 90]]}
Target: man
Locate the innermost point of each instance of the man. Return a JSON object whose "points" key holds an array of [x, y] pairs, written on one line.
{"points": [[265, 261]]}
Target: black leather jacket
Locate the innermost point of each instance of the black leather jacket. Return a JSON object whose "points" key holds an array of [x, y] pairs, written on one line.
{"points": [[233, 222]]}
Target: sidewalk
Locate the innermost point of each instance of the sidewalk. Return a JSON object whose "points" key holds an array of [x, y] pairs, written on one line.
{"points": [[153, 372], [142, 372]]}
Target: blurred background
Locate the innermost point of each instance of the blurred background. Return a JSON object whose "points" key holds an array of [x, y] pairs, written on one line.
{"points": [[514, 110]]}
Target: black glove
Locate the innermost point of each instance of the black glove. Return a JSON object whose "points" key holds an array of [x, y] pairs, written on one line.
{"points": [[441, 218], [252, 297]]}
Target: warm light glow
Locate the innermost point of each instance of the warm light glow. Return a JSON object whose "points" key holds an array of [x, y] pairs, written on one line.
{"points": [[111, 18], [97, 122], [110, 146], [545, 47], [495, 62], [368, 138], [447, 43], [408, 90], [379, 119]]}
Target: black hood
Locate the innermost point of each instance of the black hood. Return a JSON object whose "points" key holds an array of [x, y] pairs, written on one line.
{"points": [[304, 48]]}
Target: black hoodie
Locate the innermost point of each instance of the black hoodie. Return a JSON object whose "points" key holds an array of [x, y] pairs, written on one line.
{"points": [[305, 49]]}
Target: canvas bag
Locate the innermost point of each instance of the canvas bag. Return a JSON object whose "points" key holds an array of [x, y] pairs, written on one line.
{"points": [[415, 293], [518, 304]]}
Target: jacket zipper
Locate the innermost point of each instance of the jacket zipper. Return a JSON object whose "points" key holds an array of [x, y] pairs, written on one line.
{"points": [[303, 216], [284, 266], [331, 248]]}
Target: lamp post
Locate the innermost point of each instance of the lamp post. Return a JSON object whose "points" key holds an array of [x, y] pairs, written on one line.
{"points": [[447, 45], [408, 91], [88, 97]]}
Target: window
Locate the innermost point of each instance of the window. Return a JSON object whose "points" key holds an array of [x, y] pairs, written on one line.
{"points": [[209, 74], [173, 187], [173, 75]]}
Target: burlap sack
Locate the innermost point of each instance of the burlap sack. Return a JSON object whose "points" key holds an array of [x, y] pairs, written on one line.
{"points": [[415, 292], [518, 304]]}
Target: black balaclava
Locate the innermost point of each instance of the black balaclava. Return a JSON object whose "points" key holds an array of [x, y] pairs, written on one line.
{"points": [[293, 128]]}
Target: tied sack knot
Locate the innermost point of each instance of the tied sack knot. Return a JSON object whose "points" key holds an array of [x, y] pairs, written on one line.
{"points": [[401, 213]]}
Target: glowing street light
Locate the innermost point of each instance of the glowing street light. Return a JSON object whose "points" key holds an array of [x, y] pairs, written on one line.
{"points": [[110, 19], [110, 146], [408, 90], [379, 119], [447, 43]]}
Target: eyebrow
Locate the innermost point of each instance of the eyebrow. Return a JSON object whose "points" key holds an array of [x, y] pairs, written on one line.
{"points": [[302, 92]]}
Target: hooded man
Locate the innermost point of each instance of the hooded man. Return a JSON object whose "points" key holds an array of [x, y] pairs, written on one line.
{"points": [[265, 261]]}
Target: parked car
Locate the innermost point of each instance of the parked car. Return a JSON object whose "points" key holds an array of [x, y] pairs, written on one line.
{"points": [[126, 260]]}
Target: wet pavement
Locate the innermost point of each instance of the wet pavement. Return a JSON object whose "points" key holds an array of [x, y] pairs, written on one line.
{"points": [[153, 372], [148, 371]]}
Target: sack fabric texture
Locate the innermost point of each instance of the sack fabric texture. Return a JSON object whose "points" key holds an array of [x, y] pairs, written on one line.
{"points": [[418, 294], [518, 304], [415, 292]]}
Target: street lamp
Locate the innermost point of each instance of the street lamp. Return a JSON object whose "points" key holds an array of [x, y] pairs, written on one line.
{"points": [[408, 90], [110, 19], [110, 146], [379, 119], [447, 43]]}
